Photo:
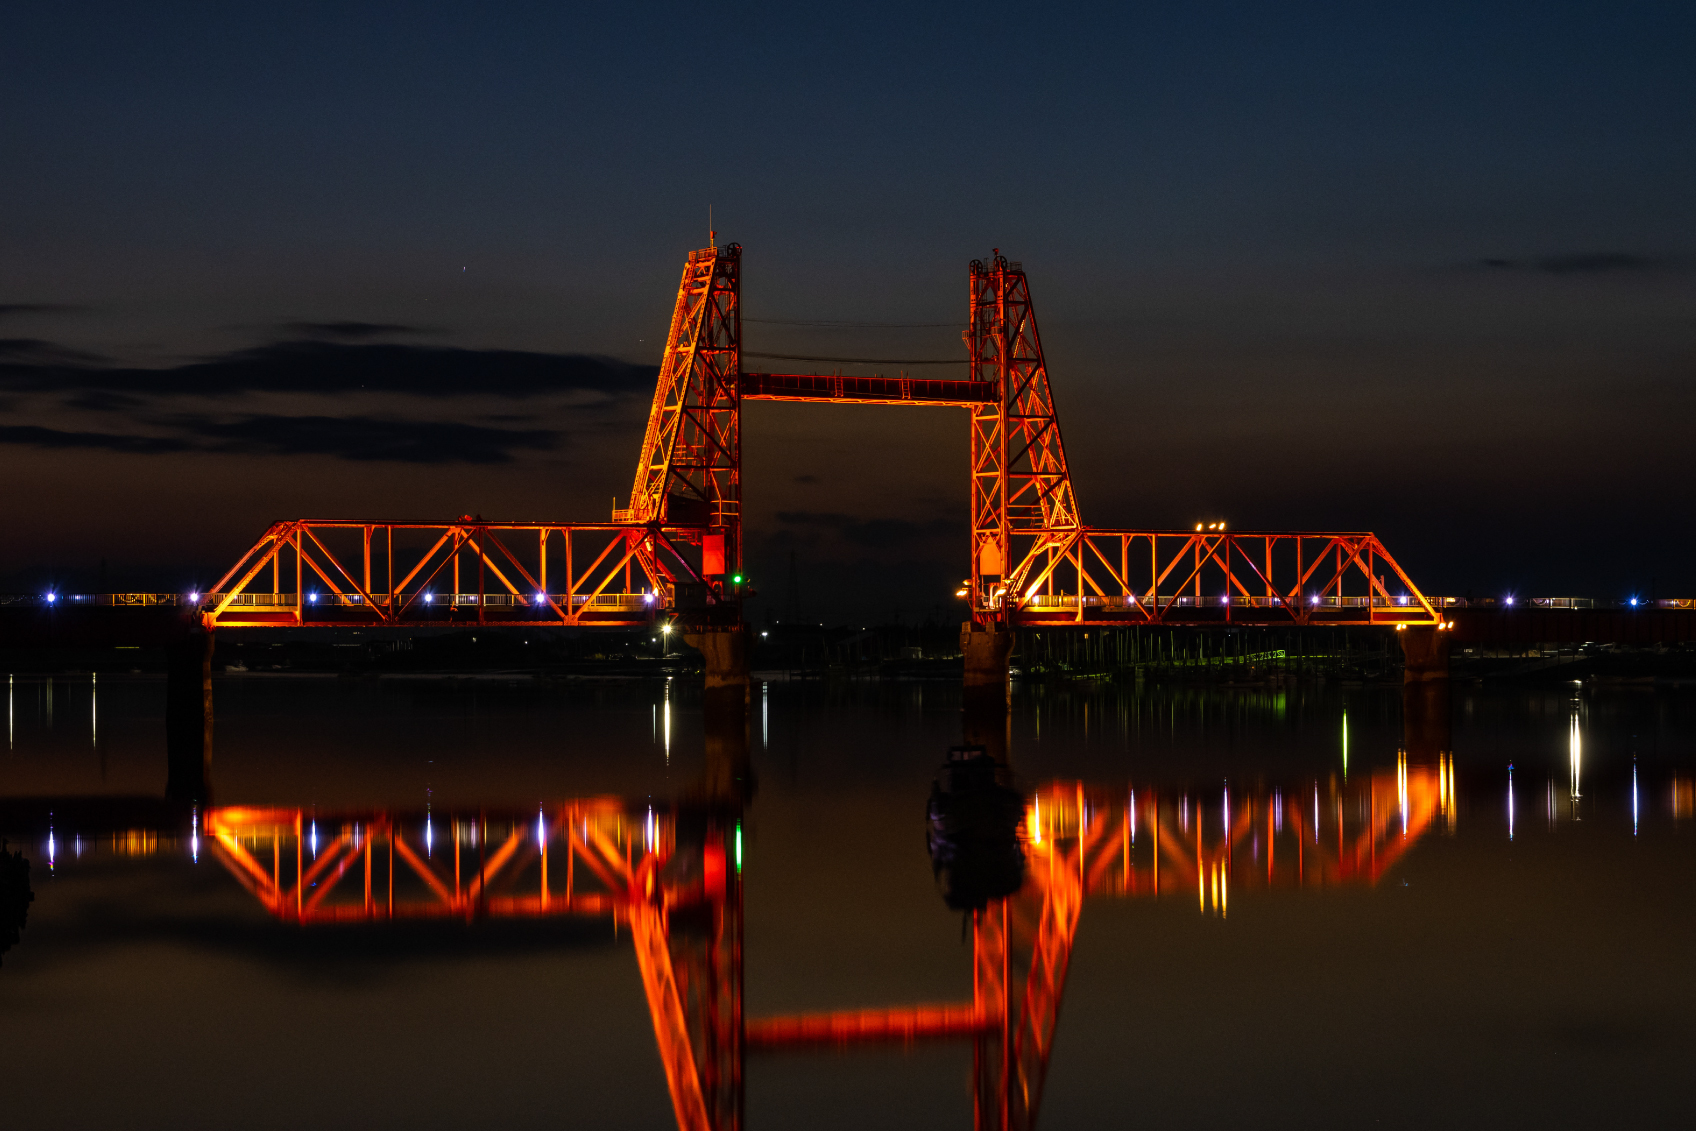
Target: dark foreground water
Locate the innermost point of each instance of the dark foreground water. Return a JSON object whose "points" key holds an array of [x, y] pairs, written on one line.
{"points": [[1394, 943]]}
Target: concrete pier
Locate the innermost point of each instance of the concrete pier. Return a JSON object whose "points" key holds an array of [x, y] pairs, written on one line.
{"points": [[985, 689], [1426, 652]]}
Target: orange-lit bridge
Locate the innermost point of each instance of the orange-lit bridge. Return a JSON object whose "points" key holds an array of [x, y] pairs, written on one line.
{"points": [[676, 548]]}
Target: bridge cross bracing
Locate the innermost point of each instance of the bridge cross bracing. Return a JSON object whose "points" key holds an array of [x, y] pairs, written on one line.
{"points": [[676, 548]]}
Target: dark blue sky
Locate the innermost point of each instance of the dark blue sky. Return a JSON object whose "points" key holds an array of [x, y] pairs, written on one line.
{"points": [[1423, 269]]}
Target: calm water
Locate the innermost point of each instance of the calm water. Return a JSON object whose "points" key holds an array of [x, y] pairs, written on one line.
{"points": [[1507, 960]]}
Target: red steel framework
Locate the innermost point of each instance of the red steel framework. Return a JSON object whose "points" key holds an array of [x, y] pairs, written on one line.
{"points": [[682, 902], [677, 547]]}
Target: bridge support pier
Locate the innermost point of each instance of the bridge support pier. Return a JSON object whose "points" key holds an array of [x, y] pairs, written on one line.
{"points": [[985, 691], [188, 717], [1425, 651]]}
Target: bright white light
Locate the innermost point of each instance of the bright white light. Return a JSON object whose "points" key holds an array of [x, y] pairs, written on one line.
{"points": [[541, 598], [666, 629], [765, 634], [647, 598], [429, 598], [194, 596], [1634, 602], [313, 598], [1315, 600], [51, 597], [1510, 600], [1225, 600]]}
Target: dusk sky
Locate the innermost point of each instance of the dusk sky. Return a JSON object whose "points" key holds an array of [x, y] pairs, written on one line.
{"points": [[1425, 270]]}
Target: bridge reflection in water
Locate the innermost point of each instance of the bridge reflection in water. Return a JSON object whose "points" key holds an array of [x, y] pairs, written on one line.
{"points": [[672, 877]]}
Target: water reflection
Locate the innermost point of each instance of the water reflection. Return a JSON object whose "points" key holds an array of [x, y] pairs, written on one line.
{"points": [[15, 896], [667, 877], [670, 877]]}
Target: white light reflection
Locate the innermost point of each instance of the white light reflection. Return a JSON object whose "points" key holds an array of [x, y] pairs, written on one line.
{"points": [[1226, 808], [194, 835], [1634, 797], [765, 714], [1401, 788], [1277, 811], [52, 849], [1510, 800], [1133, 816], [1315, 812], [541, 830], [314, 840], [429, 837], [668, 720], [11, 710], [1345, 746], [94, 708], [1575, 755]]}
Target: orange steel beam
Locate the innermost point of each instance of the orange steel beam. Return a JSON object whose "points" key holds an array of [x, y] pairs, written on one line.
{"points": [[837, 389], [944, 1021]]}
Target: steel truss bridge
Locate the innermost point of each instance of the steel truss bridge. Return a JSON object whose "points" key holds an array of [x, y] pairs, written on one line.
{"points": [[680, 896], [676, 549]]}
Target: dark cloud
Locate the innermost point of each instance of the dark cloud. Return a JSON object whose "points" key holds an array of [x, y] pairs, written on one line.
{"points": [[807, 479], [351, 331], [37, 437], [332, 367], [35, 352], [1580, 263], [104, 400], [359, 438], [370, 438], [873, 533], [7, 308]]}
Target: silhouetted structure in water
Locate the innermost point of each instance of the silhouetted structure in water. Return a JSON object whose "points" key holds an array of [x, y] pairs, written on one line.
{"points": [[972, 828], [15, 896]]}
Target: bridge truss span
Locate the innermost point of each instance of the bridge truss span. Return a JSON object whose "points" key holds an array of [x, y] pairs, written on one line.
{"points": [[328, 573], [1109, 577]]}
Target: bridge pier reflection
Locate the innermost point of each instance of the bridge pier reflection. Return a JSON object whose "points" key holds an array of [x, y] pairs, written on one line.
{"points": [[1427, 722], [188, 718]]}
